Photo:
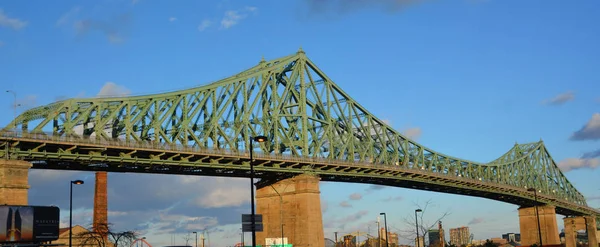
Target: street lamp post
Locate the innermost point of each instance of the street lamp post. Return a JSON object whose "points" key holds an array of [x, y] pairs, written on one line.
{"points": [[196, 243], [14, 107], [417, 224], [253, 222], [71, 210], [537, 215], [387, 239]]}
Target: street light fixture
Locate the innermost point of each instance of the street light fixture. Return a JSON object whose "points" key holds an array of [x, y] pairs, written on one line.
{"points": [[417, 224], [537, 215], [253, 222], [14, 107], [387, 241], [71, 210], [196, 243]]}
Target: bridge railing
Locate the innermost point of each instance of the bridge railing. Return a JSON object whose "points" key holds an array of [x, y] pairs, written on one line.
{"points": [[284, 157]]}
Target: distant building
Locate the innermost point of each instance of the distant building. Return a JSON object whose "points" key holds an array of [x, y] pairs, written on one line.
{"points": [[442, 234], [420, 242], [434, 238], [512, 237], [499, 241], [77, 239], [392, 235], [460, 236]]}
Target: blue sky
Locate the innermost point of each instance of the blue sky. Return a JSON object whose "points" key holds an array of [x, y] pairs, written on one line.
{"points": [[467, 78]]}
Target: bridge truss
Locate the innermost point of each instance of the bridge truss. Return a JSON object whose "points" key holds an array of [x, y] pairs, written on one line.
{"points": [[312, 126]]}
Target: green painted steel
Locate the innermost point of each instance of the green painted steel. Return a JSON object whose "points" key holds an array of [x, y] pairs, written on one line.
{"points": [[303, 113]]}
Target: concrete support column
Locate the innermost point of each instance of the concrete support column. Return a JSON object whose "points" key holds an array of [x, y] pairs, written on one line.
{"points": [[591, 228], [14, 182], [301, 215], [570, 231], [529, 225]]}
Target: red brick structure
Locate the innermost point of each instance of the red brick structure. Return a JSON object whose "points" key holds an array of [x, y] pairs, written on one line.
{"points": [[101, 202]]}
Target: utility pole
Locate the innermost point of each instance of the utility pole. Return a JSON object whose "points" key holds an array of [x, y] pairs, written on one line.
{"points": [[336, 240]]}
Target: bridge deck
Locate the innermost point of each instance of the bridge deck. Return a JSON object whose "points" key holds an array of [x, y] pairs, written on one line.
{"points": [[47, 152]]}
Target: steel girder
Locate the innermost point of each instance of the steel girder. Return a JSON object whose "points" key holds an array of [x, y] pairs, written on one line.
{"points": [[301, 111]]}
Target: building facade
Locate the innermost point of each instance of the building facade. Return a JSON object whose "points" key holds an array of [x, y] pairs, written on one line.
{"points": [[460, 236]]}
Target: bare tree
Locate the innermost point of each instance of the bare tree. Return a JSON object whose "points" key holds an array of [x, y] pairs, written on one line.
{"points": [[107, 237], [410, 231], [187, 239]]}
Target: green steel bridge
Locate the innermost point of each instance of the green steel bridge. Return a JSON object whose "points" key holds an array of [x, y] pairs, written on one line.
{"points": [[311, 124]]}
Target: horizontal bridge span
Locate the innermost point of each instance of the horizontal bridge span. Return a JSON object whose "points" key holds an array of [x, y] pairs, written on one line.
{"points": [[47, 152]]}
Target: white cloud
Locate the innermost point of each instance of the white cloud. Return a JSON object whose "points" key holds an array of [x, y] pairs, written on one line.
{"points": [[345, 204], [578, 163], [172, 19], [355, 196], [591, 131], [228, 196], [204, 25], [560, 99], [66, 17], [14, 23], [412, 133], [233, 17], [111, 89], [341, 223]]}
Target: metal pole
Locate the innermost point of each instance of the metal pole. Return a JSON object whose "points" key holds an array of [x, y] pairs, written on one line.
{"points": [[196, 242], [71, 214], [417, 226], [387, 238], [538, 217], [336, 240], [243, 244], [253, 223], [14, 108]]}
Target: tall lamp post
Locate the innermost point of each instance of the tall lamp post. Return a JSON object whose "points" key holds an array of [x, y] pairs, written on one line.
{"points": [[417, 224], [196, 233], [253, 222], [14, 107], [537, 215], [387, 239], [71, 210]]}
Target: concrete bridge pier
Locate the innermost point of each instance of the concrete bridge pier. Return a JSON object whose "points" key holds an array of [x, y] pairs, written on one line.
{"points": [[577, 223], [14, 182], [529, 225], [294, 203]]}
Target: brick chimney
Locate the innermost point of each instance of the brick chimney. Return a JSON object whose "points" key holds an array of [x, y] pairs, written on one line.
{"points": [[101, 203]]}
